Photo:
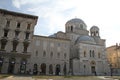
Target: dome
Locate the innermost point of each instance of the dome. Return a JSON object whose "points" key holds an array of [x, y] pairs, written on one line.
{"points": [[86, 39], [75, 20], [94, 28], [76, 23]]}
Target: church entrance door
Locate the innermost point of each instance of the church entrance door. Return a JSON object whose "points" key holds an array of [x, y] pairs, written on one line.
{"points": [[93, 70]]}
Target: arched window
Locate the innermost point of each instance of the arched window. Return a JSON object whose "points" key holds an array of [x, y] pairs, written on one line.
{"points": [[36, 53], [98, 55], [90, 54], [93, 54], [81, 26], [51, 54], [71, 28], [44, 53], [58, 55], [84, 53]]}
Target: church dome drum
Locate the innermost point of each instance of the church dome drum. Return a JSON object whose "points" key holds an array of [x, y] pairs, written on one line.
{"points": [[76, 23]]}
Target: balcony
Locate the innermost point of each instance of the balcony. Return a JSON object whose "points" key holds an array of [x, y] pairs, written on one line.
{"points": [[3, 43], [4, 38], [17, 29], [26, 44], [4, 53], [28, 31]]}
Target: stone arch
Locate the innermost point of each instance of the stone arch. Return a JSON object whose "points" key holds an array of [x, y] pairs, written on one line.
{"points": [[57, 72], [35, 69], [93, 67], [43, 68], [11, 65], [50, 69], [23, 65], [1, 63]]}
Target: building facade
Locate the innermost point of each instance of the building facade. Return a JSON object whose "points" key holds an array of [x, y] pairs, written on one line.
{"points": [[16, 33], [75, 51], [113, 55]]}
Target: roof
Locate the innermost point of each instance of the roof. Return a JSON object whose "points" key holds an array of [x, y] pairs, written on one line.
{"points": [[3, 11], [86, 39]]}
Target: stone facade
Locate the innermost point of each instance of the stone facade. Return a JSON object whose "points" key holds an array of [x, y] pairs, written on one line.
{"points": [[16, 33], [113, 55], [71, 52]]}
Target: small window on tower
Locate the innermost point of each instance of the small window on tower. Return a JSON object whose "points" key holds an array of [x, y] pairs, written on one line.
{"points": [[81, 26]]}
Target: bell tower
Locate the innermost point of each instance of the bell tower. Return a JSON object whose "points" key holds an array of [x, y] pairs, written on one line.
{"points": [[94, 31]]}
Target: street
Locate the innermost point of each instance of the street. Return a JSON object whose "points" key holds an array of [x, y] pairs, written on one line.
{"points": [[59, 78]]}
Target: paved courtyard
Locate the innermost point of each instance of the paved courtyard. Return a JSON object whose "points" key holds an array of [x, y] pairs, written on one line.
{"points": [[59, 78]]}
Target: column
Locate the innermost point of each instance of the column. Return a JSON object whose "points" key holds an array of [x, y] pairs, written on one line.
{"points": [[5, 65], [47, 69], [54, 69]]}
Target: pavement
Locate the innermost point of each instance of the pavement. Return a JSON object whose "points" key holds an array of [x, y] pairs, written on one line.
{"points": [[83, 78]]}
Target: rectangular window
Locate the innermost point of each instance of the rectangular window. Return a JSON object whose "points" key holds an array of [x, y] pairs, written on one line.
{"points": [[7, 23], [58, 55], [27, 36], [28, 26], [18, 25], [5, 33], [16, 34], [65, 55], [44, 54]]}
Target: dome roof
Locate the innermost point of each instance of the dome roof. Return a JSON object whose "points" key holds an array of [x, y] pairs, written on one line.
{"points": [[94, 28], [75, 20], [77, 23], [86, 39]]}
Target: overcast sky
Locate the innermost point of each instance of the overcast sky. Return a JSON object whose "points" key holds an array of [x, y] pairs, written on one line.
{"points": [[53, 14]]}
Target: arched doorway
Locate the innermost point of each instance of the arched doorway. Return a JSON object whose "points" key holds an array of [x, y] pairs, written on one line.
{"points": [[35, 70], [50, 69], [57, 69], [1, 63], [23, 66], [93, 68], [11, 65], [43, 68]]}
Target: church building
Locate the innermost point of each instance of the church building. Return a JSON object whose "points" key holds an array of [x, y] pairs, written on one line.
{"points": [[77, 51]]}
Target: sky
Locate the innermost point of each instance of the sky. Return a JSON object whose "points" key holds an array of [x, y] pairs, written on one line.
{"points": [[53, 14]]}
